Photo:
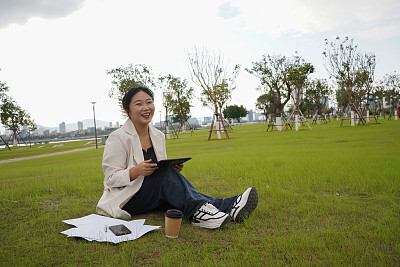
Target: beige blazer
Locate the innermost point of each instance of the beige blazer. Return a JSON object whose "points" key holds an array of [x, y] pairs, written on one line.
{"points": [[122, 152]]}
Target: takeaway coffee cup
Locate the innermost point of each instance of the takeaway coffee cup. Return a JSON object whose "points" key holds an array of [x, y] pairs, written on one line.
{"points": [[173, 219]]}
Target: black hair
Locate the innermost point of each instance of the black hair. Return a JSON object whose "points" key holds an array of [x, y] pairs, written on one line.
{"points": [[126, 100]]}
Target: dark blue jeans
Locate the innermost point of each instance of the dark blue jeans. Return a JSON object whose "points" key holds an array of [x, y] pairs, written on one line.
{"points": [[167, 188]]}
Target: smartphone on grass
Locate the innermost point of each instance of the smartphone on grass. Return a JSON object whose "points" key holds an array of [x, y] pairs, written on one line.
{"points": [[119, 230]]}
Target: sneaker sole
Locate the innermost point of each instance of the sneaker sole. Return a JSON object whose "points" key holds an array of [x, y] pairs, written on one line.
{"points": [[215, 225], [250, 206]]}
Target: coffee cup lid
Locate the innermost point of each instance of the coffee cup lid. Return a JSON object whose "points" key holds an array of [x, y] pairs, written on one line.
{"points": [[173, 213]]}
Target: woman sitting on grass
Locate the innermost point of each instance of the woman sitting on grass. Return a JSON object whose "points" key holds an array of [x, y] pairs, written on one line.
{"points": [[134, 185]]}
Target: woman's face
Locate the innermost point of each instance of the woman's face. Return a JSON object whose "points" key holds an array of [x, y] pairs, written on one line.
{"points": [[141, 109]]}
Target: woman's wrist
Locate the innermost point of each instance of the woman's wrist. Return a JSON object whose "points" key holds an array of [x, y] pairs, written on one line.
{"points": [[132, 173]]}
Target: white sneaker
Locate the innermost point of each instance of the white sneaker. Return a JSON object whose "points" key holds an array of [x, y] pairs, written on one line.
{"points": [[208, 216], [244, 205]]}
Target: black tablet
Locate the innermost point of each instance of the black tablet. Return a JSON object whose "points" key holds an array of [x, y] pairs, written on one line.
{"points": [[171, 162]]}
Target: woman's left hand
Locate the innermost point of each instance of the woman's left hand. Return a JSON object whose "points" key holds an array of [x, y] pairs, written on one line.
{"points": [[178, 167]]}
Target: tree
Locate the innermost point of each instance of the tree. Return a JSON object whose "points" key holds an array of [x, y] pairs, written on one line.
{"points": [[342, 101], [307, 106], [235, 112], [124, 78], [275, 76], [318, 91], [265, 102], [210, 72], [3, 98], [177, 96], [379, 94], [298, 74], [3, 90], [366, 77], [392, 84], [13, 117], [342, 61]]}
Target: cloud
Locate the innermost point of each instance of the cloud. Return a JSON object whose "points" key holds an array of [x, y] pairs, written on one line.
{"points": [[309, 17], [228, 11], [20, 11]]}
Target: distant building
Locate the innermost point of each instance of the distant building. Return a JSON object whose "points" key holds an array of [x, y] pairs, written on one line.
{"points": [[46, 132], [259, 116], [207, 120], [61, 127], [251, 115], [117, 124], [80, 126], [110, 125], [193, 121]]}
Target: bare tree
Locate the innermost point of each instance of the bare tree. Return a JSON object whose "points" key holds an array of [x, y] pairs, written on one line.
{"points": [[210, 71], [342, 61]]}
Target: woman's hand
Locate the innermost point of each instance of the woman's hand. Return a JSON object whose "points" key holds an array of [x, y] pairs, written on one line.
{"points": [[178, 167], [144, 168]]}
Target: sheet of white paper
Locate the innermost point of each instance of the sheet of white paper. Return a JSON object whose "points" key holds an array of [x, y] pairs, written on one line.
{"points": [[94, 219], [95, 228]]}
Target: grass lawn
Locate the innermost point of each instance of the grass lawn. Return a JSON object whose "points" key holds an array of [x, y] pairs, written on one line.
{"points": [[38, 149], [330, 196]]}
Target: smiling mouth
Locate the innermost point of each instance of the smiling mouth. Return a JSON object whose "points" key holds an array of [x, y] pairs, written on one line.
{"points": [[146, 115]]}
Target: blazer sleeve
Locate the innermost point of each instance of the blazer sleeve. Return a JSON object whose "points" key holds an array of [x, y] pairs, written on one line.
{"points": [[115, 162]]}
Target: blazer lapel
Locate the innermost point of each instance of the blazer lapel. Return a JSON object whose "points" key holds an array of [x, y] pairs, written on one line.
{"points": [[136, 148], [158, 145]]}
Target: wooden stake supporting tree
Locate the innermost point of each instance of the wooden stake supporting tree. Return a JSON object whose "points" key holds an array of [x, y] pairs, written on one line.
{"points": [[166, 129], [357, 116], [218, 121], [297, 119], [5, 143]]}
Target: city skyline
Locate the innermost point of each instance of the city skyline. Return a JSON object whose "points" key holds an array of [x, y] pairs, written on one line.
{"points": [[89, 123]]}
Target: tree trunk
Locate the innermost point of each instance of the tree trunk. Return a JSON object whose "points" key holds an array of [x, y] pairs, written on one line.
{"points": [[166, 124], [296, 117], [367, 108], [278, 119], [352, 117], [351, 105], [15, 139], [319, 115], [183, 127], [218, 127]]}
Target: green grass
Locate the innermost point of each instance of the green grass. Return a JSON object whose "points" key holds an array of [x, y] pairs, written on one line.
{"points": [[38, 149], [330, 196]]}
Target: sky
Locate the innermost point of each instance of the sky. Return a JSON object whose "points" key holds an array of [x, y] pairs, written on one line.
{"points": [[54, 54]]}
